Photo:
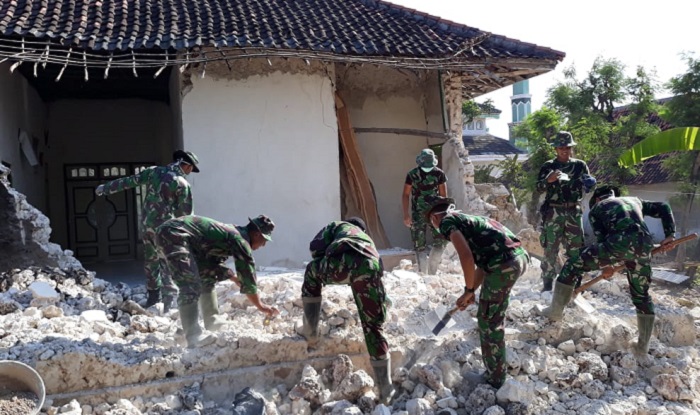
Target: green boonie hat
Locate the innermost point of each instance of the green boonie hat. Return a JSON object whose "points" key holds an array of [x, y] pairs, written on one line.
{"points": [[264, 225], [427, 158], [187, 157], [563, 139], [601, 191], [435, 202]]}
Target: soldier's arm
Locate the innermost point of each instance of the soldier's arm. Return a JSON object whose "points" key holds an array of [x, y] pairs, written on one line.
{"points": [[466, 260], [660, 210], [544, 173], [183, 202], [442, 190], [129, 182], [406, 202], [321, 241], [595, 225]]}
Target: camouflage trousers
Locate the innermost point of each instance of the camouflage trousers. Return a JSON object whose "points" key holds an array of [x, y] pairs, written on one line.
{"points": [[155, 267], [564, 228], [418, 232], [365, 279], [632, 249], [493, 302], [193, 274]]}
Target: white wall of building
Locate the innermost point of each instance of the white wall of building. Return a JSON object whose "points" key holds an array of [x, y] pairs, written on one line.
{"points": [[21, 108], [267, 144], [387, 98], [103, 131]]}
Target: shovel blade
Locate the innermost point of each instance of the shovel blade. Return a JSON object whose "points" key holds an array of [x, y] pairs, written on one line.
{"points": [[583, 304], [438, 319]]}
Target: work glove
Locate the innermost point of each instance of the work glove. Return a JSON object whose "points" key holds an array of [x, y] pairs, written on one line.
{"points": [[100, 190], [588, 183]]}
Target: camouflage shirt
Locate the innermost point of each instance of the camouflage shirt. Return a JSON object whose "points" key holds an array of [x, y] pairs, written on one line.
{"points": [[212, 240], [168, 193], [626, 215], [563, 191], [339, 238], [491, 243], [423, 185]]}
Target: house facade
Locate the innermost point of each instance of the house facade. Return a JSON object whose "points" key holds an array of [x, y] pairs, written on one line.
{"points": [[308, 111]]}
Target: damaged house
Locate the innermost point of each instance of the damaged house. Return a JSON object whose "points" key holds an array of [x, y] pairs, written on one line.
{"points": [[306, 110]]}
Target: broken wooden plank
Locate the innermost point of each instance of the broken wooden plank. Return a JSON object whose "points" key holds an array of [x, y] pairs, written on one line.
{"points": [[358, 180]]}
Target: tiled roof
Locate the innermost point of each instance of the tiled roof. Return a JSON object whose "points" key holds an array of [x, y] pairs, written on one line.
{"points": [[485, 145], [343, 27], [650, 171]]}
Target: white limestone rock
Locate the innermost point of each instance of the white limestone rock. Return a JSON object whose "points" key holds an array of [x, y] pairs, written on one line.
{"points": [[668, 386], [418, 407], [515, 391]]}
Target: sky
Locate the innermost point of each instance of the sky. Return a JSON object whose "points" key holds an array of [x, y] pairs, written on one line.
{"points": [[636, 32]]}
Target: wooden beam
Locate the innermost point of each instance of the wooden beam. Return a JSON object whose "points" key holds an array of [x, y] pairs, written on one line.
{"points": [[401, 131], [357, 178]]}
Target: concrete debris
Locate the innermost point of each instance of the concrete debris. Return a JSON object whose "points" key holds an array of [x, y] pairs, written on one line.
{"points": [[101, 353]]}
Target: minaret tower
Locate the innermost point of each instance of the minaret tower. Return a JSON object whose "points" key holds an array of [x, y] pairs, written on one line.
{"points": [[521, 106]]}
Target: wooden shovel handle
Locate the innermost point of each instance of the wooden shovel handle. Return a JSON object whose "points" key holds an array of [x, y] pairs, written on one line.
{"points": [[620, 267]]}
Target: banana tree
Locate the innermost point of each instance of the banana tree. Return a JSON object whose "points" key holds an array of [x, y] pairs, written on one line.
{"points": [[675, 139]]}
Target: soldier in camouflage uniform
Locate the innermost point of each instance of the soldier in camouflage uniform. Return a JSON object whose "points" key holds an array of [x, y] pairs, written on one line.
{"points": [[421, 182], [167, 196], [195, 249], [622, 237], [342, 253], [565, 179], [491, 258]]}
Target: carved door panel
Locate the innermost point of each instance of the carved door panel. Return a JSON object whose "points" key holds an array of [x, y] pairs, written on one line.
{"points": [[100, 228]]}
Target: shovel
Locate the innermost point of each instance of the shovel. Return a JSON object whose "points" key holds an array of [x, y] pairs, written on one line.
{"points": [[446, 319]]}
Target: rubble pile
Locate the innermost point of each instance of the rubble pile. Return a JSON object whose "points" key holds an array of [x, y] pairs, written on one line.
{"points": [[101, 353], [82, 333]]}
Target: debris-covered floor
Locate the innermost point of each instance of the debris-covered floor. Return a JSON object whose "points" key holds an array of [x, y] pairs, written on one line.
{"points": [[87, 337], [99, 352]]}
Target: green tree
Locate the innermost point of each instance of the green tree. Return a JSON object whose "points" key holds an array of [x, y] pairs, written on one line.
{"points": [[471, 109], [683, 110], [588, 107]]}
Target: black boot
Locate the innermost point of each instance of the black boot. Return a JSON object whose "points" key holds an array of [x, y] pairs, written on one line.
{"points": [[382, 374], [153, 298], [312, 314], [547, 284]]}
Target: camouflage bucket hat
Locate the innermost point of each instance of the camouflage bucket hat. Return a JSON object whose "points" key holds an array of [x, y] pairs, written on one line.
{"points": [[436, 203], [187, 157], [427, 158], [563, 139], [264, 225]]}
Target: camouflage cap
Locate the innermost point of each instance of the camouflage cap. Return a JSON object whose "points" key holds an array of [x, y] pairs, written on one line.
{"points": [[187, 157], [427, 158], [603, 191], [563, 139], [264, 225], [437, 203]]}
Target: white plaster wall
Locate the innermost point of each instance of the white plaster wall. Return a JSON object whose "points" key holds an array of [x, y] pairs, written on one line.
{"points": [[395, 100], [103, 131], [22, 108], [267, 144]]}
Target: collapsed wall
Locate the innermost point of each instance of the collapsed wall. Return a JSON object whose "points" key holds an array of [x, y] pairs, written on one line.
{"points": [[25, 232]]}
